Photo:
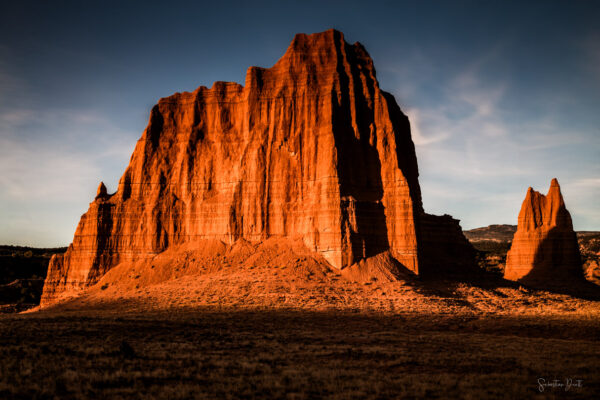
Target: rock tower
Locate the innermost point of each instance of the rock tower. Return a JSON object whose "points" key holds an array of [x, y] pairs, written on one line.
{"points": [[310, 148]]}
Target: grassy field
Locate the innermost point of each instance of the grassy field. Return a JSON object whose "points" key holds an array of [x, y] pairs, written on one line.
{"points": [[296, 355]]}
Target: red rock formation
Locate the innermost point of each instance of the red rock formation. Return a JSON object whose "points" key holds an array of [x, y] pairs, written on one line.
{"points": [[544, 249], [443, 248], [309, 148], [101, 192]]}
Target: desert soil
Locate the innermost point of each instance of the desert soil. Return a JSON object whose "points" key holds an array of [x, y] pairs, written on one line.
{"points": [[275, 322], [291, 354]]}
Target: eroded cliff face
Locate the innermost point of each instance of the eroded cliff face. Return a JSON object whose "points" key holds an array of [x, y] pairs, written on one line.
{"points": [[310, 148], [544, 249], [444, 251]]}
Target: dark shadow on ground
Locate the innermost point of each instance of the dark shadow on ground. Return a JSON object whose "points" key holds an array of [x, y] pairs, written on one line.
{"points": [[446, 287], [200, 353]]}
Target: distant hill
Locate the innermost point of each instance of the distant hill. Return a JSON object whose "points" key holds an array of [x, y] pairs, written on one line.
{"points": [[500, 233], [505, 233], [22, 274]]}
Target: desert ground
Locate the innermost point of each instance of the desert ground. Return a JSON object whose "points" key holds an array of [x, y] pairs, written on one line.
{"points": [[294, 354], [281, 325]]}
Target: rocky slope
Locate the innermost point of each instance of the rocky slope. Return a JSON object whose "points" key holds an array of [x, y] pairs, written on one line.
{"points": [[544, 249], [309, 149]]}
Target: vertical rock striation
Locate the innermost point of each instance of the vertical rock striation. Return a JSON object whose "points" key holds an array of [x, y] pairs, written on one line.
{"points": [[309, 148], [544, 249]]}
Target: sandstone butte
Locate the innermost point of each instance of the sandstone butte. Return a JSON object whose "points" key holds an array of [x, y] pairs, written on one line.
{"points": [[544, 250], [310, 148]]}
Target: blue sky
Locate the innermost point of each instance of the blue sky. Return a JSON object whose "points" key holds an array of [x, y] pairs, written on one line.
{"points": [[501, 95]]}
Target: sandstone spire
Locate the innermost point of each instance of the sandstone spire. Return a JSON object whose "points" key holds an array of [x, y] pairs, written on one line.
{"points": [[101, 192], [544, 249], [310, 148]]}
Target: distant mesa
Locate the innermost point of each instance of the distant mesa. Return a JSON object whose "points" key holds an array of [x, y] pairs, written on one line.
{"points": [[309, 149], [544, 250]]}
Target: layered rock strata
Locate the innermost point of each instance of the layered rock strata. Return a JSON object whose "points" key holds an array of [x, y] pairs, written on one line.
{"points": [[544, 249], [310, 148]]}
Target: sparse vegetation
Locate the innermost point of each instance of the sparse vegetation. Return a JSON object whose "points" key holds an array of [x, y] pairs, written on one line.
{"points": [[278, 333], [589, 245], [295, 355], [25, 262], [22, 274]]}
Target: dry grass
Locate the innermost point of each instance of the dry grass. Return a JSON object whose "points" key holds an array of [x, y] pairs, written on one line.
{"points": [[189, 353], [273, 321]]}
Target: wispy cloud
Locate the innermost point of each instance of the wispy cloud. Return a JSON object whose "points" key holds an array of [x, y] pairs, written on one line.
{"points": [[30, 172], [587, 182], [478, 154], [51, 162], [415, 116], [76, 148]]}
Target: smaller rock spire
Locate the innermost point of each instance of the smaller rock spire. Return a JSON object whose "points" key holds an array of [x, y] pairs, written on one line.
{"points": [[101, 192], [544, 249]]}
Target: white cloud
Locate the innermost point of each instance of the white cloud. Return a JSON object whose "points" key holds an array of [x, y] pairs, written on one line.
{"points": [[415, 115]]}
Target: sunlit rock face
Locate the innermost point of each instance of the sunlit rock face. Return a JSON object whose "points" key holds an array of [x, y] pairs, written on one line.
{"points": [[544, 249], [310, 148]]}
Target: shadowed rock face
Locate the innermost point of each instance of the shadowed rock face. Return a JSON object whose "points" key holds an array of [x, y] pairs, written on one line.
{"points": [[310, 148], [544, 249], [444, 251]]}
